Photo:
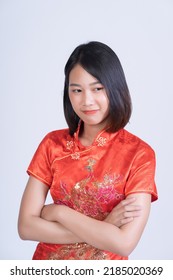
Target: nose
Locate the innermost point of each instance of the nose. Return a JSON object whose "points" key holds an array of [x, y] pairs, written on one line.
{"points": [[88, 99]]}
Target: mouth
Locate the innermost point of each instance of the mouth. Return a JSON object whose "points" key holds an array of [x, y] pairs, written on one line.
{"points": [[90, 112]]}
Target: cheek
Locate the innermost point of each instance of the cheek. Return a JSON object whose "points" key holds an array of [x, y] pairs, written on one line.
{"points": [[71, 98], [74, 101], [105, 101]]}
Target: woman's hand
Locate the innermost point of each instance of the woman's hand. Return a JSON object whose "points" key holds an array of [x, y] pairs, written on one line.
{"points": [[49, 212], [124, 212]]}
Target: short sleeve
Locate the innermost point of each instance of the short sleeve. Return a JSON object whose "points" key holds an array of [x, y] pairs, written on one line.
{"points": [[40, 166], [141, 177]]}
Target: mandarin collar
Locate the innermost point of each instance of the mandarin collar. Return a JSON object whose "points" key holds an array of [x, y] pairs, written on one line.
{"points": [[101, 139]]}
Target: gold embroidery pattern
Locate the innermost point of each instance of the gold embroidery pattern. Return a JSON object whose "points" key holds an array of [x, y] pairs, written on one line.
{"points": [[75, 156], [69, 145], [78, 251], [101, 141], [91, 163], [91, 196]]}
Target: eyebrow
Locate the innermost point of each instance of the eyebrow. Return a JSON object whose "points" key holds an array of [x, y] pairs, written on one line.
{"points": [[78, 85]]}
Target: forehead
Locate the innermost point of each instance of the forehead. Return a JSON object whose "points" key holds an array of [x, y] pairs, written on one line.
{"points": [[79, 75]]}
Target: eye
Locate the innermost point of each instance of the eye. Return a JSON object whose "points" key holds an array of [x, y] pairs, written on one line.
{"points": [[98, 89], [77, 91]]}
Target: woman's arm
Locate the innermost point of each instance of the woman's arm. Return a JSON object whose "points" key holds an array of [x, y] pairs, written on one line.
{"points": [[102, 234], [120, 215], [124, 212], [31, 226]]}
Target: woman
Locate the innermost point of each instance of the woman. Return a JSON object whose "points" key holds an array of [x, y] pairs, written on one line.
{"points": [[100, 176]]}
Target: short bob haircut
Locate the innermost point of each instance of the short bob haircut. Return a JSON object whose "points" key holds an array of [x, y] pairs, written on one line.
{"points": [[100, 61]]}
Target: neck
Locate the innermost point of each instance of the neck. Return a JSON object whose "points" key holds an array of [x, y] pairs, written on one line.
{"points": [[89, 133]]}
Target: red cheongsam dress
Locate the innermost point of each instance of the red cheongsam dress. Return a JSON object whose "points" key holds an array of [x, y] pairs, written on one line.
{"points": [[91, 180]]}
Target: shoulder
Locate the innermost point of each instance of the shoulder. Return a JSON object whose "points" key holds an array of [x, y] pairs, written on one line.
{"points": [[53, 144], [54, 140], [55, 137], [135, 143]]}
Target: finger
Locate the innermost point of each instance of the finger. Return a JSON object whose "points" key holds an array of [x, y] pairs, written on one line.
{"points": [[132, 208], [127, 201], [132, 214], [126, 221]]}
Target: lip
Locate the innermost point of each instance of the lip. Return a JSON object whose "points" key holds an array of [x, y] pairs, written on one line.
{"points": [[90, 112]]}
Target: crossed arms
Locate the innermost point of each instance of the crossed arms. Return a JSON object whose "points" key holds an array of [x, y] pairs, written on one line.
{"points": [[59, 224]]}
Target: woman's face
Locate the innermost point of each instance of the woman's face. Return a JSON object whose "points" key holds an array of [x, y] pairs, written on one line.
{"points": [[88, 98]]}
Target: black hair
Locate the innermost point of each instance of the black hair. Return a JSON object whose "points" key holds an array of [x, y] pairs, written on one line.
{"points": [[100, 61]]}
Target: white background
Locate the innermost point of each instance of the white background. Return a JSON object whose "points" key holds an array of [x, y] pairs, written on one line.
{"points": [[36, 39]]}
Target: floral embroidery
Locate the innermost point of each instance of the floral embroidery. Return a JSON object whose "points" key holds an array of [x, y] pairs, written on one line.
{"points": [[90, 196], [69, 145], [78, 251], [91, 163], [101, 141], [75, 156]]}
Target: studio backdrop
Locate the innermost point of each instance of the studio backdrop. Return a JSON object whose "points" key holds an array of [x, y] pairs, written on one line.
{"points": [[37, 37]]}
